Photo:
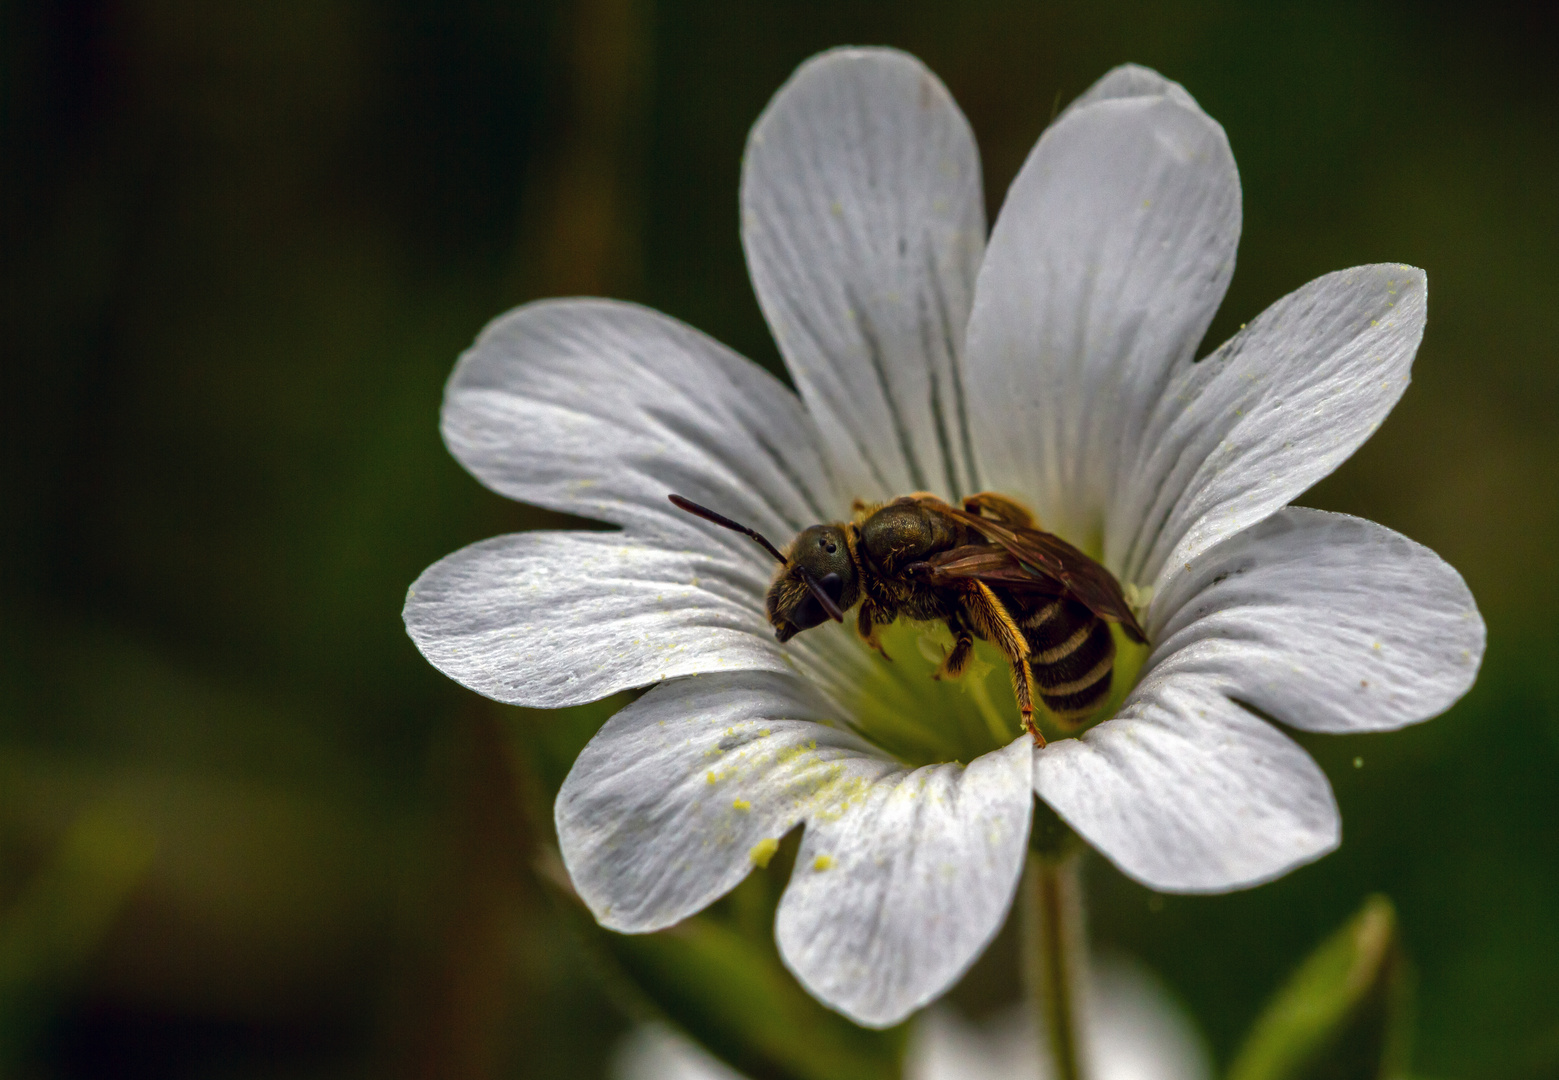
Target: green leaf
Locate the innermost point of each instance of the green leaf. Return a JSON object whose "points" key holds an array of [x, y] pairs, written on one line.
{"points": [[1344, 1015]]}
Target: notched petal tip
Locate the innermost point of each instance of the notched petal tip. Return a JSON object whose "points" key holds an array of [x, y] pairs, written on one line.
{"points": [[903, 876], [847, 63], [1065, 368], [863, 224], [855, 54], [908, 884], [1129, 81], [859, 68], [1237, 435]]}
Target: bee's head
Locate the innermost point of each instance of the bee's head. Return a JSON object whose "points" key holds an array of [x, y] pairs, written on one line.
{"points": [[817, 582]]}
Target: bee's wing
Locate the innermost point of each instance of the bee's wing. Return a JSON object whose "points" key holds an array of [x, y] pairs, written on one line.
{"points": [[1044, 561], [990, 563], [1085, 579]]}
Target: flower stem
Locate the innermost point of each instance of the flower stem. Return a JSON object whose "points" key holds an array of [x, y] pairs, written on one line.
{"points": [[1056, 947]]}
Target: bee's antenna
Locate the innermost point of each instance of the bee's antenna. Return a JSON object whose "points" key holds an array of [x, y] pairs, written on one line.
{"points": [[826, 602], [726, 523]]}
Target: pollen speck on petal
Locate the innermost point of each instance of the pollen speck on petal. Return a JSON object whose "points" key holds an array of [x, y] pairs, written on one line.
{"points": [[763, 851]]}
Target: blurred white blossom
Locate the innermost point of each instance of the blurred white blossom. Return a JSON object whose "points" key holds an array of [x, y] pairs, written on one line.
{"points": [[1136, 1032]]}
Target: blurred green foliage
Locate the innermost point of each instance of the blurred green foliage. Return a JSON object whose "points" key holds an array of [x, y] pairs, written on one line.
{"points": [[244, 243], [50, 931], [1345, 1014], [718, 977]]}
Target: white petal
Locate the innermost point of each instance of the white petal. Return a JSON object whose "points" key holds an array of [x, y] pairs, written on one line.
{"points": [[903, 876], [547, 619], [1129, 81], [669, 805], [1186, 791], [863, 222], [601, 409], [1324, 621], [1280, 405], [901, 884], [1107, 262]]}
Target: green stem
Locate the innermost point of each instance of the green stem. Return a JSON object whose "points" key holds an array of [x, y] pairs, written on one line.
{"points": [[1055, 941]]}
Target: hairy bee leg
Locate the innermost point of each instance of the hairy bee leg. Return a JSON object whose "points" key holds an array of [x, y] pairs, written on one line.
{"points": [[866, 626], [1023, 689], [999, 508], [954, 662], [992, 621]]}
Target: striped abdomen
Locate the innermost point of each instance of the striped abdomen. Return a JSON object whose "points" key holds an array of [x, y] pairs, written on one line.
{"points": [[1072, 655]]}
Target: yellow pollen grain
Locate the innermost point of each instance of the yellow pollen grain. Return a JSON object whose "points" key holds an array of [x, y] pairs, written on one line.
{"points": [[742, 804], [823, 862], [763, 851]]}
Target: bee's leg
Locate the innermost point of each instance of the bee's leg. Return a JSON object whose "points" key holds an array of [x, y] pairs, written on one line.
{"points": [[990, 619], [999, 508], [866, 621], [953, 663], [1023, 689]]}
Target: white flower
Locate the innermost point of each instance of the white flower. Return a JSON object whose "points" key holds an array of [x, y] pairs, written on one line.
{"points": [[1054, 365], [1135, 1032], [655, 1052]]}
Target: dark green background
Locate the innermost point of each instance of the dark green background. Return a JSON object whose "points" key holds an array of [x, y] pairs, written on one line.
{"points": [[243, 244]]}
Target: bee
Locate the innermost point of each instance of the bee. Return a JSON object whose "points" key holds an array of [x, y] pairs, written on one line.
{"points": [[986, 570]]}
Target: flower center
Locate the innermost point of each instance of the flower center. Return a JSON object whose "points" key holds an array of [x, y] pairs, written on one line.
{"points": [[922, 720]]}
